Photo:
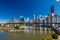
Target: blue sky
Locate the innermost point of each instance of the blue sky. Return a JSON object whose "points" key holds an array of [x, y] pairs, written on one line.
{"points": [[26, 8]]}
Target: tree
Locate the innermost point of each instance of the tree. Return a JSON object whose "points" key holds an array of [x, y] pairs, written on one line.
{"points": [[47, 38], [18, 26], [54, 36], [10, 25]]}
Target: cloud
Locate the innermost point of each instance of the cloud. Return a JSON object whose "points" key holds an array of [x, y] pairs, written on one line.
{"points": [[40, 16], [44, 16], [57, 0]]}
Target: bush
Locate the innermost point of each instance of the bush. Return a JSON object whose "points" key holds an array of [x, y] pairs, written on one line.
{"points": [[47, 38], [44, 39], [18, 26], [54, 36]]}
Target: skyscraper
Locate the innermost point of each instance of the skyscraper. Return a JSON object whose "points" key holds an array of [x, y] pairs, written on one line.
{"points": [[21, 19], [33, 17], [52, 9], [53, 17]]}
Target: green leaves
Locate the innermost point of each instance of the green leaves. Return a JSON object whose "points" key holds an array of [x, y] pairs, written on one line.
{"points": [[54, 36], [47, 38], [18, 25], [10, 25]]}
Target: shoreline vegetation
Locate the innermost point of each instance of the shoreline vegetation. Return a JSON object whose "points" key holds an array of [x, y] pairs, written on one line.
{"points": [[18, 27], [11, 27], [14, 29]]}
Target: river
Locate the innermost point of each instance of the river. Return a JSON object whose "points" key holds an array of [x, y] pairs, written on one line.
{"points": [[24, 35]]}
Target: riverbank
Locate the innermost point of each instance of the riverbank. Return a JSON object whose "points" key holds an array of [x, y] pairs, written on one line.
{"points": [[11, 28], [25, 27]]}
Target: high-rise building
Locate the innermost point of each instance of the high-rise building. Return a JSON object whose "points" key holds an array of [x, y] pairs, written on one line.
{"points": [[58, 20], [52, 9], [51, 19], [14, 20], [28, 18], [24, 19], [21, 19], [34, 17]]}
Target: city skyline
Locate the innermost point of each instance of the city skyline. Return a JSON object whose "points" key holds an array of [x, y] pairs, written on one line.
{"points": [[26, 8]]}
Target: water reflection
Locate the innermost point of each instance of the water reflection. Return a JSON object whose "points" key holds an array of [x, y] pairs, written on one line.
{"points": [[3, 35], [24, 35]]}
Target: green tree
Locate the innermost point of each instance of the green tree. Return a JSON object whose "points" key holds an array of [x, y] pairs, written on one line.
{"points": [[4, 25], [18, 26], [47, 38], [54, 36], [10, 25]]}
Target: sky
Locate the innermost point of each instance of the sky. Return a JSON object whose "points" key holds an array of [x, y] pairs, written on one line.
{"points": [[26, 8]]}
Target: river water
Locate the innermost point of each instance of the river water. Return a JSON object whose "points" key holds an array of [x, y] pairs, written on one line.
{"points": [[24, 35]]}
